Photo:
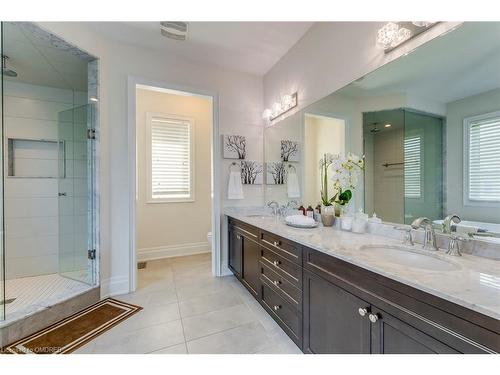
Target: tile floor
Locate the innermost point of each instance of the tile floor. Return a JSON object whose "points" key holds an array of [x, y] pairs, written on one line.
{"points": [[36, 293], [186, 310]]}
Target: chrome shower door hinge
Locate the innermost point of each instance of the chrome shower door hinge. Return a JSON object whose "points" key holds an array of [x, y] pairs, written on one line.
{"points": [[91, 254], [90, 133]]}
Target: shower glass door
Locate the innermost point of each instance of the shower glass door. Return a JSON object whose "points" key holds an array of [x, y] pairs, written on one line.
{"points": [[76, 194], [2, 255]]}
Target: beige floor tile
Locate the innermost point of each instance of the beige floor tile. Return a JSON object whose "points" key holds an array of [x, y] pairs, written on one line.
{"points": [[150, 316], [245, 339], [176, 349], [218, 315], [216, 321], [209, 302], [143, 340]]}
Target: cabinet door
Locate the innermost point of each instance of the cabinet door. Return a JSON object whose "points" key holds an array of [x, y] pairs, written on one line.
{"points": [[332, 323], [393, 336], [251, 271], [235, 248]]}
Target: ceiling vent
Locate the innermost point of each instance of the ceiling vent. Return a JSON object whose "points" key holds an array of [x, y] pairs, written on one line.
{"points": [[174, 30]]}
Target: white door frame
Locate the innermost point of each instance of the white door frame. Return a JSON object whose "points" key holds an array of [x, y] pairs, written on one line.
{"points": [[132, 84]]}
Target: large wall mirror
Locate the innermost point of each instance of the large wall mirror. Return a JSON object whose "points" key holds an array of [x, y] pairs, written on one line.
{"points": [[428, 124]]}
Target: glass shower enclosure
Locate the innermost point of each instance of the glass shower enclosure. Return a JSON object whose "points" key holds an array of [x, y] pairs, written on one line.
{"points": [[48, 200], [75, 199], [404, 164], [2, 254]]}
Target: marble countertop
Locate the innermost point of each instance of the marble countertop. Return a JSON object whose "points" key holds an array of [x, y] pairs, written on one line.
{"points": [[470, 281]]}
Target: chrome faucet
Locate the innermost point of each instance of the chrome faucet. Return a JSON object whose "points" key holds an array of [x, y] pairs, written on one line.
{"points": [[448, 221], [274, 206], [430, 235]]}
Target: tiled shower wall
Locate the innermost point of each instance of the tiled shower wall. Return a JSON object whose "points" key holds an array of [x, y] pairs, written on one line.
{"points": [[31, 204]]}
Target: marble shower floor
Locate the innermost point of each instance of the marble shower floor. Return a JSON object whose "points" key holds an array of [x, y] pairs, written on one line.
{"points": [[35, 293], [187, 310]]}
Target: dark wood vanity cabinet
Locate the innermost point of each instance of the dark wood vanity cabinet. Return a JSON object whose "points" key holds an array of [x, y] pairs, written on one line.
{"points": [[235, 251], [332, 324], [338, 322], [244, 254], [326, 305]]}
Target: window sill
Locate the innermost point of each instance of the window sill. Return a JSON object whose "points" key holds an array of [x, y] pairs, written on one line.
{"points": [[156, 201]]}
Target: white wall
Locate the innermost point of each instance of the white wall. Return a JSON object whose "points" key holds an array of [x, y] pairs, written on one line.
{"points": [[174, 228], [240, 111], [31, 204]]}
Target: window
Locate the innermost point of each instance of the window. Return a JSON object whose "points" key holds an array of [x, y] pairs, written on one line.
{"points": [[481, 161], [171, 156], [413, 166]]}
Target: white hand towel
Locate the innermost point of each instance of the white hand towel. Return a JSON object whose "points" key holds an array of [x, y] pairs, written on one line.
{"points": [[292, 185], [235, 187]]}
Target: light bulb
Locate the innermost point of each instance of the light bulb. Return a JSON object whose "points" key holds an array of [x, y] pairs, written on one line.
{"points": [[276, 109], [387, 34], [421, 23], [266, 114], [286, 101]]}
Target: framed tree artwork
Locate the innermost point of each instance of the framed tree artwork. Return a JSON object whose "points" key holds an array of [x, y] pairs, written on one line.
{"points": [[289, 150], [251, 172], [275, 173], [234, 147]]}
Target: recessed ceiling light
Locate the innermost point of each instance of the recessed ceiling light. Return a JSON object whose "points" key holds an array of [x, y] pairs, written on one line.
{"points": [[387, 125], [174, 30]]}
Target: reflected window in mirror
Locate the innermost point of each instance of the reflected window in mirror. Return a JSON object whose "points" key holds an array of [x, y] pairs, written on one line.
{"points": [[482, 169]]}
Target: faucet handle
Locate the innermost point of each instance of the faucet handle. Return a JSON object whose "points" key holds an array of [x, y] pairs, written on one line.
{"points": [[407, 239], [454, 245]]}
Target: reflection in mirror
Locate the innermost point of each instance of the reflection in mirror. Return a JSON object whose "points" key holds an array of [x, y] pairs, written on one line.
{"points": [[428, 124], [322, 135], [397, 186]]}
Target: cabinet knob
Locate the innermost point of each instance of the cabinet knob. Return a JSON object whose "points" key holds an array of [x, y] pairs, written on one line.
{"points": [[276, 262], [363, 311], [373, 318], [276, 307], [276, 282]]}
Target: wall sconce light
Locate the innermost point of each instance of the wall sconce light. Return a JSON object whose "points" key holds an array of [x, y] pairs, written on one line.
{"points": [[286, 103], [393, 34]]}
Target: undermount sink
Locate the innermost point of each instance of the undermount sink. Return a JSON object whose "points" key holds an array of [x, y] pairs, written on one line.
{"points": [[405, 257], [261, 216]]}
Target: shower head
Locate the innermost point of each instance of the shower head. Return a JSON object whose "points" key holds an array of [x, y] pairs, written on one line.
{"points": [[375, 128], [5, 71]]}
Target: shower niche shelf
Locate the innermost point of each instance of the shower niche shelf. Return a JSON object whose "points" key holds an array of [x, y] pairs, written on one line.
{"points": [[36, 158]]}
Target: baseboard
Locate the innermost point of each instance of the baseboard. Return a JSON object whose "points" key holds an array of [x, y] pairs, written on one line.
{"points": [[152, 253], [115, 286]]}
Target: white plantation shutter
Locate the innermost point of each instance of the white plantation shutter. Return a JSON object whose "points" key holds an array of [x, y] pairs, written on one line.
{"points": [[484, 158], [413, 166], [171, 159]]}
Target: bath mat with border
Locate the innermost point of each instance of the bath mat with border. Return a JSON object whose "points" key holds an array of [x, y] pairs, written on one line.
{"points": [[76, 330]]}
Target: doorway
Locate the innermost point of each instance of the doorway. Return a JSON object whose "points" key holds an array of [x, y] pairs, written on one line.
{"points": [[322, 134], [174, 209]]}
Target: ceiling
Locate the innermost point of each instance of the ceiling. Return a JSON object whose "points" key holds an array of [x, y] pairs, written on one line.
{"points": [[252, 47], [460, 64], [42, 59]]}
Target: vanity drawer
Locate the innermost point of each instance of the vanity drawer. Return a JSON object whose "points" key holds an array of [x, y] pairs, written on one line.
{"points": [[244, 229], [281, 286], [286, 249], [285, 315], [291, 271]]}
